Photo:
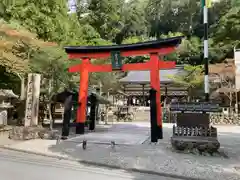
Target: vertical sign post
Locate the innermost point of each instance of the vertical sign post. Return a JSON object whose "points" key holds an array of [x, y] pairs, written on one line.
{"points": [[205, 5], [32, 102]]}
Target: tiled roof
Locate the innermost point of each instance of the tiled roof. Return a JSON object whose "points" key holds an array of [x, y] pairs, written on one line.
{"points": [[143, 77], [163, 43]]}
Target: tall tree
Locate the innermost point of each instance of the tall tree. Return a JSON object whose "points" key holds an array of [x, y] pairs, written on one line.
{"points": [[191, 79], [133, 20], [104, 16], [45, 18], [16, 50]]}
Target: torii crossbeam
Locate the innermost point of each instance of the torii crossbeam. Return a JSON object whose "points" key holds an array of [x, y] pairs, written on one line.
{"points": [[155, 49]]}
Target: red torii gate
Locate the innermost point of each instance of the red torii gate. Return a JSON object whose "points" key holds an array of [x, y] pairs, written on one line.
{"points": [[152, 48]]}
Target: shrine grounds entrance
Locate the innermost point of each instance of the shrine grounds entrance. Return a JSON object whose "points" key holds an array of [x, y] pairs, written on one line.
{"points": [[154, 49]]}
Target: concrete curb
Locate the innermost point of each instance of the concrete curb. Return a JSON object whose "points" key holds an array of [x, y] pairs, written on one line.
{"points": [[90, 163]]}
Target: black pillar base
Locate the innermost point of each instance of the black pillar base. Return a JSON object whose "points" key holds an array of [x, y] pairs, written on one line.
{"points": [[64, 137], [159, 132], [153, 116], [65, 130], [92, 125], [80, 127], [92, 118], [154, 133], [67, 115]]}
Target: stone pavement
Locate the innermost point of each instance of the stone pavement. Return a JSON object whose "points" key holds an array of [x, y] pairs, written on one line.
{"points": [[4, 140], [132, 154], [121, 133]]}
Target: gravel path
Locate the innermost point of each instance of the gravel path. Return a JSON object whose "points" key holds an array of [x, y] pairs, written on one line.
{"points": [[160, 157]]}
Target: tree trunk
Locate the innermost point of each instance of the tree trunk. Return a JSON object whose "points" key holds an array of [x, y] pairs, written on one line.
{"points": [[22, 93], [50, 116], [230, 102], [49, 104], [106, 115], [22, 96]]}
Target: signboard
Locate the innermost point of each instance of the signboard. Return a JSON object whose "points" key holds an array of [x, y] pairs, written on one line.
{"points": [[32, 101], [237, 69], [195, 107], [116, 60]]}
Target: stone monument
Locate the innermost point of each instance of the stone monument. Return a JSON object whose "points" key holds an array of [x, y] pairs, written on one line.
{"points": [[32, 101]]}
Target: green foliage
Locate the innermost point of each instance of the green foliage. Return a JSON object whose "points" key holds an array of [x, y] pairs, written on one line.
{"points": [[133, 21], [51, 63], [228, 29], [16, 47], [235, 3], [104, 16], [192, 79], [45, 18], [137, 59]]}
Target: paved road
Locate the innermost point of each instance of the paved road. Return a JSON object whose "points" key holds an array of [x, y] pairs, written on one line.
{"points": [[16, 166]]}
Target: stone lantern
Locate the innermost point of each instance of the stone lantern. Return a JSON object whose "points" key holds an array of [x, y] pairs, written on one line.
{"points": [[5, 103]]}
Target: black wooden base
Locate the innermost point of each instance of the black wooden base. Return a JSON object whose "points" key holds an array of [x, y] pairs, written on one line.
{"points": [[64, 137], [159, 132], [154, 135], [80, 128], [65, 130]]}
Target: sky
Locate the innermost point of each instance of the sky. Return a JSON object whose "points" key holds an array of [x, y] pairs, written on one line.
{"points": [[72, 6]]}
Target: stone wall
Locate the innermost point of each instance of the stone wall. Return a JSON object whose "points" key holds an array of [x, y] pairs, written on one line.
{"points": [[220, 118], [27, 133]]}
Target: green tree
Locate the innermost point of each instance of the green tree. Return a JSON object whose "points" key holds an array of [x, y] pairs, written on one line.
{"points": [[46, 18], [192, 79], [104, 16], [133, 21], [16, 50], [227, 32], [49, 19], [51, 63]]}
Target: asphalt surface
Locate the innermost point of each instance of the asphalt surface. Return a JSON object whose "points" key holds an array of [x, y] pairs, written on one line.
{"points": [[18, 166]]}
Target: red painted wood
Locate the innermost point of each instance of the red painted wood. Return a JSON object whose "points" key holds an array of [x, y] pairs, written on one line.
{"points": [[155, 84], [75, 68], [136, 67], [100, 68], [83, 91], [161, 51], [166, 64], [126, 67], [86, 67]]}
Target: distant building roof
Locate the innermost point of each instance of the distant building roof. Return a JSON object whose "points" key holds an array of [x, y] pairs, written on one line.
{"points": [[143, 77]]}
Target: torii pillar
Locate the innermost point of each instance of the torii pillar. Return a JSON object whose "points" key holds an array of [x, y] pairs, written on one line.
{"points": [[152, 48], [154, 65]]}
